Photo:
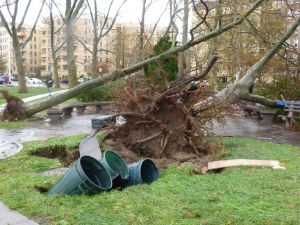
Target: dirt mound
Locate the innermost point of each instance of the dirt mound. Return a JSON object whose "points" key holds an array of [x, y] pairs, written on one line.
{"points": [[178, 158]]}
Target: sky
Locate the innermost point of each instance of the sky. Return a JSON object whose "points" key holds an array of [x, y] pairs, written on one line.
{"points": [[130, 11]]}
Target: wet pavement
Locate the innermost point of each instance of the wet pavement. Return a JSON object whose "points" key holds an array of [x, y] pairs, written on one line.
{"points": [[252, 128], [76, 124]]}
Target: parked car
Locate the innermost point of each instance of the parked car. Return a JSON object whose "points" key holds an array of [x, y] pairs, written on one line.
{"points": [[84, 79], [26, 79], [2, 81], [14, 78], [34, 81], [65, 81]]}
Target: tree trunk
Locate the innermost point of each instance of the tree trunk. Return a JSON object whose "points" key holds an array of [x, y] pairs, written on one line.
{"points": [[56, 79], [185, 60], [19, 62], [141, 37], [94, 63], [72, 71]]}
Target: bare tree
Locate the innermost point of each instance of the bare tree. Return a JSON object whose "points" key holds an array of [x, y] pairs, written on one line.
{"points": [[13, 30], [98, 33], [56, 43], [72, 11]]}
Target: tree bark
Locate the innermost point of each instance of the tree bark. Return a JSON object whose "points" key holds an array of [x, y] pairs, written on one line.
{"points": [[19, 62]]}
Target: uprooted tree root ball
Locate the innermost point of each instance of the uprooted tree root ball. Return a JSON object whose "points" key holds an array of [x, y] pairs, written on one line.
{"points": [[13, 110], [158, 127]]}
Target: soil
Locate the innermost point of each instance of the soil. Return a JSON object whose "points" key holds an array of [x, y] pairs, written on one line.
{"points": [[178, 158], [58, 152]]}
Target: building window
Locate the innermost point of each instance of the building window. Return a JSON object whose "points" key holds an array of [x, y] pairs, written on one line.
{"points": [[30, 54], [101, 51], [30, 46], [58, 40], [85, 40], [157, 31], [34, 53], [34, 46], [106, 42], [100, 23], [137, 29], [100, 42], [58, 22], [34, 38], [49, 67], [14, 68], [84, 30], [35, 31], [84, 58], [85, 50], [106, 60], [65, 68], [106, 24], [31, 69], [58, 32], [35, 61], [106, 51], [100, 59], [85, 21], [85, 68], [30, 61]]}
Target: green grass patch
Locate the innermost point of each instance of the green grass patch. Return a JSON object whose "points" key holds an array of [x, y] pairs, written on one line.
{"points": [[32, 91], [8, 125], [26, 160], [244, 194]]}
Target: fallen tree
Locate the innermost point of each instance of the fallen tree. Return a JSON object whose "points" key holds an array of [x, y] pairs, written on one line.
{"points": [[29, 109]]}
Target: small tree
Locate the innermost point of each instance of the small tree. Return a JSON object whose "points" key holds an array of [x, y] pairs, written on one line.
{"points": [[168, 64]]}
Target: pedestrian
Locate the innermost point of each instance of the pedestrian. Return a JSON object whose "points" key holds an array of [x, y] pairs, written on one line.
{"points": [[49, 83], [6, 79]]}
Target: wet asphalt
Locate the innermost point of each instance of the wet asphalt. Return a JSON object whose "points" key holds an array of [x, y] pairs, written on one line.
{"points": [[250, 127]]}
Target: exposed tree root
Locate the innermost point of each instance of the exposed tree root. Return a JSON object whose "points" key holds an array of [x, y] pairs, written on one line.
{"points": [[13, 111]]}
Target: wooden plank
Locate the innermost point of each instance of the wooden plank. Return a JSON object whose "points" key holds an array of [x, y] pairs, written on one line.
{"points": [[240, 162]]}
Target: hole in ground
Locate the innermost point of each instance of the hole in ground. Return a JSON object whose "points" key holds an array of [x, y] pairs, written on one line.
{"points": [[59, 152]]}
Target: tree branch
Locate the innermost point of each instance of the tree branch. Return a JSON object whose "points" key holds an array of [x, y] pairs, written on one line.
{"points": [[23, 18]]}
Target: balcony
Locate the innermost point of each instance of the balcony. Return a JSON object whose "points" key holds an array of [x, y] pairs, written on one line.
{"points": [[19, 34], [44, 55]]}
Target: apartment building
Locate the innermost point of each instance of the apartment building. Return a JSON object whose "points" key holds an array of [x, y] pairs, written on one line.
{"points": [[84, 31], [117, 49], [30, 53]]}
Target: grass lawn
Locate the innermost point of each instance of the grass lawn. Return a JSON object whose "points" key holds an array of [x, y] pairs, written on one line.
{"points": [[244, 194], [32, 91]]}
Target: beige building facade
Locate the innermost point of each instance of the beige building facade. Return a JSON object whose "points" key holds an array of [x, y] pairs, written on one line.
{"points": [[117, 49], [30, 53]]}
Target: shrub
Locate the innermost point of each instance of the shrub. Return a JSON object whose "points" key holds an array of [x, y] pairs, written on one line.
{"points": [[106, 92], [168, 63]]}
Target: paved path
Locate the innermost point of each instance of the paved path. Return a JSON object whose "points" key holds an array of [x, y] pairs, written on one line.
{"points": [[2, 107], [13, 217]]}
